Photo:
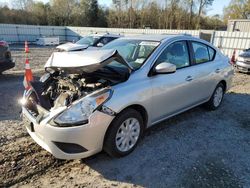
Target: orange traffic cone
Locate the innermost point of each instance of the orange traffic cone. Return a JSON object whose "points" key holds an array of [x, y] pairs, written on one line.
{"points": [[26, 47], [28, 76], [233, 59]]}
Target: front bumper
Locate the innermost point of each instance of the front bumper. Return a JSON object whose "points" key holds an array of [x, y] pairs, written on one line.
{"points": [[89, 136], [242, 66]]}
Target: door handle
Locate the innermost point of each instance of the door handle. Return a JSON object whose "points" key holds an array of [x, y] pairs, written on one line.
{"points": [[217, 70], [189, 78]]}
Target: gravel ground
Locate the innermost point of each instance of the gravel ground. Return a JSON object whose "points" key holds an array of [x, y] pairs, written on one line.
{"points": [[194, 149], [37, 57]]}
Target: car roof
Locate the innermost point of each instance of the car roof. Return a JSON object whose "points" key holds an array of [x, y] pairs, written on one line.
{"points": [[156, 37], [106, 35], [152, 37]]}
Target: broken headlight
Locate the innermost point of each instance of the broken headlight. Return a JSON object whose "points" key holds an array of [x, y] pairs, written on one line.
{"points": [[80, 111]]}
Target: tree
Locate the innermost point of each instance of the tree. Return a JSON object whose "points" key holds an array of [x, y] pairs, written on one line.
{"points": [[40, 12], [237, 9], [167, 14], [91, 12], [172, 16], [22, 4], [102, 17], [191, 7], [202, 4], [61, 11]]}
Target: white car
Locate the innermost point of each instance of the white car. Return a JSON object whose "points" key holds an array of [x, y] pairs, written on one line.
{"points": [[106, 98], [243, 61], [93, 41]]}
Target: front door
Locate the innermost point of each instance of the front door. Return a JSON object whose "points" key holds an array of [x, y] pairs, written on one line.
{"points": [[173, 92]]}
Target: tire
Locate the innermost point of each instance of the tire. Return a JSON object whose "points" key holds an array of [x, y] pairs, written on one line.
{"points": [[217, 97], [129, 120]]}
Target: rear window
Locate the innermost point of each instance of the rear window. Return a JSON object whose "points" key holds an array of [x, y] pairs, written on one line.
{"points": [[201, 54], [211, 53], [106, 40]]}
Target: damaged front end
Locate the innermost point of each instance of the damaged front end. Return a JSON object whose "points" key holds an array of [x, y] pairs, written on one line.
{"points": [[75, 85]]}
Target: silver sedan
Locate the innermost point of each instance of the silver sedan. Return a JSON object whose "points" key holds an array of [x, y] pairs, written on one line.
{"points": [[105, 99]]}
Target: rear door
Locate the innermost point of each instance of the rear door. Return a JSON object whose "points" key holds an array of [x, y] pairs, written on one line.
{"points": [[205, 69]]}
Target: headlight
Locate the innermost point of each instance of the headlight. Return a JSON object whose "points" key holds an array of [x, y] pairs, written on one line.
{"points": [[241, 59], [80, 111]]}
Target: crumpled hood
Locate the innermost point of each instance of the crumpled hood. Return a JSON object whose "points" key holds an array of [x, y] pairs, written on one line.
{"points": [[84, 61], [72, 47]]}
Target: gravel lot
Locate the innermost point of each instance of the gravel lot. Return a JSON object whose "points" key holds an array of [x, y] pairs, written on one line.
{"points": [[194, 149], [38, 56]]}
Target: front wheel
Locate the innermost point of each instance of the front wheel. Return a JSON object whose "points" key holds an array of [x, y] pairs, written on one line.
{"points": [[216, 99], [124, 133]]}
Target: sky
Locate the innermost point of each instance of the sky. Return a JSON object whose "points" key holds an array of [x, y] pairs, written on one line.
{"points": [[217, 7]]}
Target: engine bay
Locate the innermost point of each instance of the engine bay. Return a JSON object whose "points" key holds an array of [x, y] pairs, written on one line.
{"points": [[64, 89], [61, 88]]}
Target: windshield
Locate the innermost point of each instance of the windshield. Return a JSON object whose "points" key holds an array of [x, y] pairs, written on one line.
{"points": [[89, 40], [135, 52]]}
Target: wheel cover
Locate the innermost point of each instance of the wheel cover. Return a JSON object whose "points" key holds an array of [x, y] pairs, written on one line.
{"points": [[218, 95], [127, 134]]}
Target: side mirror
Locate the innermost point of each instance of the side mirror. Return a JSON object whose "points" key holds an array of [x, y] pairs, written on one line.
{"points": [[100, 44], [165, 68]]}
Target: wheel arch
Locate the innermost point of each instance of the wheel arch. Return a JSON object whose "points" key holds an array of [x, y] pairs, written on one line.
{"points": [[139, 108], [224, 83]]}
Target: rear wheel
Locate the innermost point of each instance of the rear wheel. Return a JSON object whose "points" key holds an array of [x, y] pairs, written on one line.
{"points": [[124, 133], [216, 99]]}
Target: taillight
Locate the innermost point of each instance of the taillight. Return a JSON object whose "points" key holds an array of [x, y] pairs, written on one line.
{"points": [[3, 43]]}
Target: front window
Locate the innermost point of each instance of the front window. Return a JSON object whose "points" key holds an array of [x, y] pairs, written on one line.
{"points": [[135, 52], [89, 40], [176, 53]]}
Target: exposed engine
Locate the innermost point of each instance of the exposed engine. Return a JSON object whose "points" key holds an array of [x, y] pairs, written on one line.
{"points": [[62, 89]]}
